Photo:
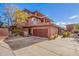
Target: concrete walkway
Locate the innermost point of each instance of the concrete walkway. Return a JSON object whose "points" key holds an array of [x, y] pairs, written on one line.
{"points": [[57, 47]]}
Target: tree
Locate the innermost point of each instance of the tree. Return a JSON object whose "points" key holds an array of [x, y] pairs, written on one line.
{"points": [[21, 16], [8, 12], [77, 26]]}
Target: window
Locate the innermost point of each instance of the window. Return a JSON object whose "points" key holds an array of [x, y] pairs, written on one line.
{"points": [[34, 21]]}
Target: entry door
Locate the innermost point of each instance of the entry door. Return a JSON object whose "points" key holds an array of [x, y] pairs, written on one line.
{"points": [[30, 31]]}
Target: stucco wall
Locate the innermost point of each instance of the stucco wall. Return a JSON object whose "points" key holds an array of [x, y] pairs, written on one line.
{"points": [[33, 21], [53, 30], [25, 31]]}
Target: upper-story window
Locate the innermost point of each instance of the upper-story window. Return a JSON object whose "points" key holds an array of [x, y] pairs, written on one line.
{"points": [[34, 21]]}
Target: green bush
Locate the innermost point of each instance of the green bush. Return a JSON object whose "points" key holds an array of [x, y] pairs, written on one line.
{"points": [[16, 31]]}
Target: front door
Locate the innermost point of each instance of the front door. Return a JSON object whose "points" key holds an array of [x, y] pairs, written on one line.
{"points": [[29, 30]]}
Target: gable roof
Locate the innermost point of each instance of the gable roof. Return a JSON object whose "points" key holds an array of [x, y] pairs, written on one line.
{"points": [[40, 15], [37, 14], [28, 11]]}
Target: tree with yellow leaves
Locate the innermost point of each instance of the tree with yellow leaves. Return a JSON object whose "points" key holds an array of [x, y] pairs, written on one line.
{"points": [[20, 16]]}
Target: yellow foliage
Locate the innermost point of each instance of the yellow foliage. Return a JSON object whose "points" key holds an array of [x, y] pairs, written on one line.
{"points": [[66, 34], [53, 36], [21, 16]]}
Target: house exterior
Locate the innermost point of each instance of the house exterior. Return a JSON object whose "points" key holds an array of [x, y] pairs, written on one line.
{"points": [[36, 25], [71, 28], [39, 25]]}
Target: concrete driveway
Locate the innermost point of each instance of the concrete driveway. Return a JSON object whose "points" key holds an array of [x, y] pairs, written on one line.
{"points": [[57, 47], [21, 42]]}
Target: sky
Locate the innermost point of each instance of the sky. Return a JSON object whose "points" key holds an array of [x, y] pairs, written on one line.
{"points": [[60, 13]]}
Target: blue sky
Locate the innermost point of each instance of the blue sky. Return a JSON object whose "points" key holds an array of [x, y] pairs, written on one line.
{"points": [[60, 13]]}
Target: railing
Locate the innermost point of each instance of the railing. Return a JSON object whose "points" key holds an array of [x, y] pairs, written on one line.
{"points": [[38, 24]]}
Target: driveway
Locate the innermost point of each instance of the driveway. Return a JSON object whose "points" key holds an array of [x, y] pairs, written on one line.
{"points": [[21, 42], [57, 47]]}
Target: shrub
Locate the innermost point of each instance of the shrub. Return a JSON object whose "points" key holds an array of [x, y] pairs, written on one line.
{"points": [[53, 37], [16, 31], [66, 34]]}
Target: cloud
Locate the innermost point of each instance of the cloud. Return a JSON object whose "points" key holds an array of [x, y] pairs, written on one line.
{"points": [[57, 23], [61, 24], [73, 17]]}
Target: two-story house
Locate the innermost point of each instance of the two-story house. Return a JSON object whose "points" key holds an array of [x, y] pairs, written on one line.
{"points": [[39, 25]]}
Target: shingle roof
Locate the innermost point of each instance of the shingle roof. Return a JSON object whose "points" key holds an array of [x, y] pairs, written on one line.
{"points": [[39, 14]]}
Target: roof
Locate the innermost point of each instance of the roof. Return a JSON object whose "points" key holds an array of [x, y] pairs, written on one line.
{"points": [[39, 14], [28, 11], [70, 24]]}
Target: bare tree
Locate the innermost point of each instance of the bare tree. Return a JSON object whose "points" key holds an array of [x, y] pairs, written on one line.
{"points": [[9, 10]]}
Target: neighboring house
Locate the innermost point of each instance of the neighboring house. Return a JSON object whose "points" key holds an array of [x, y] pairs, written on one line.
{"points": [[71, 28], [39, 25]]}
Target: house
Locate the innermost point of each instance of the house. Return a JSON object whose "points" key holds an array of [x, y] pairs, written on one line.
{"points": [[36, 25], [39, 25], [71, 28]]}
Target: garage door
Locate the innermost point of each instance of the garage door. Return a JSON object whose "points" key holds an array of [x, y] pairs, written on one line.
{"points": [[40, 32]]}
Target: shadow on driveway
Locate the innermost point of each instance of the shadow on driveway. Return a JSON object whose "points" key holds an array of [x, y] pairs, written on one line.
{"points": [[21, 42]]}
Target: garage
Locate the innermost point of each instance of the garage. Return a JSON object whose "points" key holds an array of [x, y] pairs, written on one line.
{"points": [[40, 32]]}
